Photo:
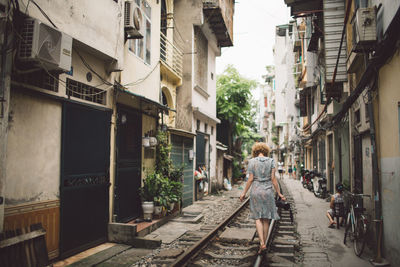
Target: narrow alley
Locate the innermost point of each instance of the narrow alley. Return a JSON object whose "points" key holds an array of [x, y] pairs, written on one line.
{"points": [[153, 132]]}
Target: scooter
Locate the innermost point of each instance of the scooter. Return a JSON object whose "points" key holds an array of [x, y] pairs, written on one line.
{"points": [[319, 185], [309, 179], [304, 175]]}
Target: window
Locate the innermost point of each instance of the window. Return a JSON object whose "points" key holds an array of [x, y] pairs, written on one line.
{"points": [[212, 130], [142, 47], [86, 92], [198, 125], [205, 127], [357, 118]]}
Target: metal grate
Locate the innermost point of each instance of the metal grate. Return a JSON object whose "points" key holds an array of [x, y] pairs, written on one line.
{"points": [[42, 79], [25, 47], [86, 92]]}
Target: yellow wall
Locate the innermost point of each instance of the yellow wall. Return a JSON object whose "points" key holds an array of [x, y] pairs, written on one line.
{"points": [[389, 155], [389, 99]]}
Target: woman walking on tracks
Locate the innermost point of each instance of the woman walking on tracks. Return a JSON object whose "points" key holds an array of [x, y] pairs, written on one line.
{"points": [[261, 170]]}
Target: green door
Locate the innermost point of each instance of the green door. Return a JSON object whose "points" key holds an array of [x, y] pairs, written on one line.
{"points": [[180, 156]]}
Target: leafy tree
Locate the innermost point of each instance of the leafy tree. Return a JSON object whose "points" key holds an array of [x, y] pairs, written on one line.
{"points": [[235, 109]]}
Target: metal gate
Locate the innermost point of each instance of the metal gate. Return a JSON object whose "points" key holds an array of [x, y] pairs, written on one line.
{"points": [[200, 150], [84, 186], [129, 153], [180, 156]]}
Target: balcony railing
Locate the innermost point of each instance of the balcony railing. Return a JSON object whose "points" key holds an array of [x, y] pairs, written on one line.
{"points": [[171, 55]]}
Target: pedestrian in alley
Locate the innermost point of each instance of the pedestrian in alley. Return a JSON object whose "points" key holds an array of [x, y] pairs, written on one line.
{"points": [[261, 170], [280, 169], [336, 198], [290, 170], [294, 172]]}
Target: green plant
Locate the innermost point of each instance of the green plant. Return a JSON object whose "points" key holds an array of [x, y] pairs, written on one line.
{"points": [[170, 192], [163, 149], [176, 174], [151, 187]]}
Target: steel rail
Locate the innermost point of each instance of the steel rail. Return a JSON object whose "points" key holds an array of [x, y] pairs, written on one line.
{"points": [[183, 259], [258, 261]]}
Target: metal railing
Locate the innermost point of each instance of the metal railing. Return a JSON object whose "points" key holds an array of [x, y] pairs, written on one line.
{"points": [[171, 55]]}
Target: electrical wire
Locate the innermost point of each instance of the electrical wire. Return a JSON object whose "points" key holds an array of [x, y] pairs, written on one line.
{"points": [[90, 68], [43, 13], [142, 79]]}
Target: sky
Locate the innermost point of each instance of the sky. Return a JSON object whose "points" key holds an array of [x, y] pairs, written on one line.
{"points": [[253, 36]]}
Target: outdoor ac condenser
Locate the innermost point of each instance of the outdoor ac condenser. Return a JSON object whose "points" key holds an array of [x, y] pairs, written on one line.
{"points": [[364, 29], [47, 46], [134, 21]]}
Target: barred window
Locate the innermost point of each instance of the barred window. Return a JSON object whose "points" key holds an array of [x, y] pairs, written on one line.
{"points": [[86, 92]]}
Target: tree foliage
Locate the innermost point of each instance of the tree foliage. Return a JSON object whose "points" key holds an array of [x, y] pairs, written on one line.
{"points": [[234, 100]]}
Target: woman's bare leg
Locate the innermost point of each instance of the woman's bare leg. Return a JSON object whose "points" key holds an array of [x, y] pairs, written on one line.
{"points": [[260, 231], [265, 223]]}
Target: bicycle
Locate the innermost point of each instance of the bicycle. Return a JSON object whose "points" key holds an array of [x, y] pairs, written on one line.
{"points": [[358, 223]]}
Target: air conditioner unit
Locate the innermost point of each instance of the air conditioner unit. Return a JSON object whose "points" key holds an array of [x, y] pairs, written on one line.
{"points": [[49, 47], [364, 29], [134, 22]]}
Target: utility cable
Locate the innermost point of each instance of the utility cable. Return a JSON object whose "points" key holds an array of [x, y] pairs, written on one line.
{"points": [[43, 13]]}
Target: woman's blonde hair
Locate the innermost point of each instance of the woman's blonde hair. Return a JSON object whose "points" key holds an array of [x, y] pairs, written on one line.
{"points": [[260, 148]]}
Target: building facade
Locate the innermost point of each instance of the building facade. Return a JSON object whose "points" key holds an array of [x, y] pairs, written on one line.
{"points": [[353, 135]]}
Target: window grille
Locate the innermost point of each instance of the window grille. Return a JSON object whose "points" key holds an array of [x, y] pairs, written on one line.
{"points": [[86, 92], [42, 79]]}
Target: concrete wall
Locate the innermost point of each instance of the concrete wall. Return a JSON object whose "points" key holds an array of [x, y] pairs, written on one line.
{"points": [[80, 19], [389, 155], [186, 14], [33, 149]]}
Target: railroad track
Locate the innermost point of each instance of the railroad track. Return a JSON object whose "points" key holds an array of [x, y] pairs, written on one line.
{"points": [[234, 242]]}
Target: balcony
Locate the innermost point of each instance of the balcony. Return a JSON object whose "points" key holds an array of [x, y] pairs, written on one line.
{"points": [[219, 14], [171, 59]]}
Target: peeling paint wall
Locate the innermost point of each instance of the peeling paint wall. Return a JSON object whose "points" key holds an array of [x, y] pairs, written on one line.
{"points": [[33, 150]]}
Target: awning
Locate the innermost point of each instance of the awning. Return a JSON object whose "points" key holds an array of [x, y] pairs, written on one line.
{"points": [[181, 132], [145, 105], [221, 146]]}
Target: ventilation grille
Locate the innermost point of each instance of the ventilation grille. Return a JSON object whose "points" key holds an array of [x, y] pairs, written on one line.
{"points": [[86, 92], [25, 48]]}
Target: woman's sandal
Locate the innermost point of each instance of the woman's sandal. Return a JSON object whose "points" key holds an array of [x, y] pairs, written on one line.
{"points": [[262, 249]]}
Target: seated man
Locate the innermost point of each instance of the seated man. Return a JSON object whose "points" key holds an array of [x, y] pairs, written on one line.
{"points": [[336, 198]]}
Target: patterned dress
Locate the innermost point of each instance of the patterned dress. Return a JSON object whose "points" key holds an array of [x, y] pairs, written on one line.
{"points": [[262, 201]]}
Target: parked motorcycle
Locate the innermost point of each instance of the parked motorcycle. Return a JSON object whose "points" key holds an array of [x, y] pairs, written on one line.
{"points": [[319, 185], [309, 180], [304, 174]]}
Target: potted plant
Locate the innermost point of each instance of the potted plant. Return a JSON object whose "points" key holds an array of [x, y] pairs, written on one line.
{"points": [[150, 189]]}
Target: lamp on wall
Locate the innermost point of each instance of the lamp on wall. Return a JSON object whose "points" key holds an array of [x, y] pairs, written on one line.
{"points": [[191, 154]]}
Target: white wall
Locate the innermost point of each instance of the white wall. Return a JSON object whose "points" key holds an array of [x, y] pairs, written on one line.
{"points": [[33, 149], [80, 19], [135, 68], [385, 14]]}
